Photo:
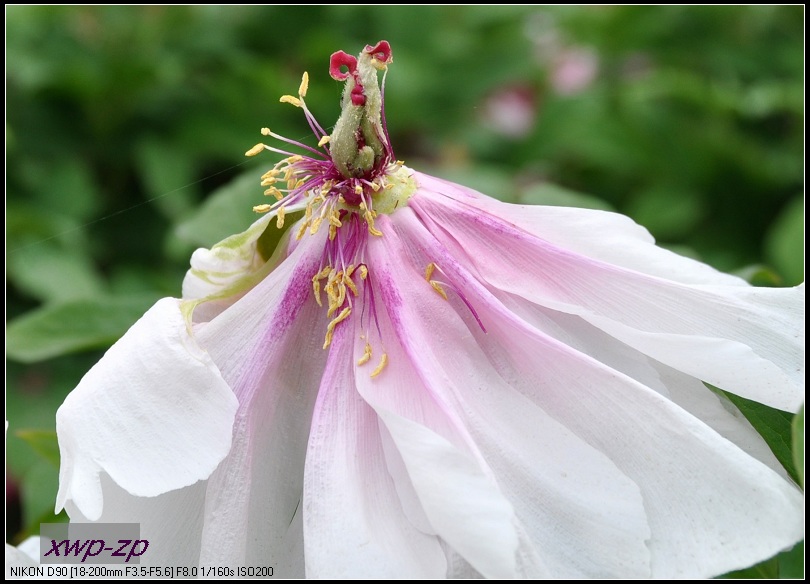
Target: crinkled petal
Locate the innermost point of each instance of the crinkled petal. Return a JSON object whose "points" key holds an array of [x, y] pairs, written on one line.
{"points": [[226, 263], [354, 525], [582, 515], [154, 413], [746, 340], [710, 506]]}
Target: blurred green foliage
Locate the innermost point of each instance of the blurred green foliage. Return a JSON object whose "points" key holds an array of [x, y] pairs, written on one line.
{"points": [[126, 128]]}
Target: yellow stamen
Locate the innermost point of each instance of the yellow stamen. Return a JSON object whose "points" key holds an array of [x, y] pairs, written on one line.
{"points": [[280, 220], [366, 355], [316, 225], [302, 229], [255, 150], [266, 131], [369, 215], [350, 284], [429, 271], [291, 100], [358, 190], [323, 141], [262, 208], [302, 89], [330, 328], [381, 366], [316, 289], [275, 192], [332, 232], [363, 271], [438, 289]]}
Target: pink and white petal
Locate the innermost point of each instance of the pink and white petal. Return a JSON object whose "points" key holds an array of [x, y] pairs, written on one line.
{"points": [[269, 348], [171, 522], [583, 517], [688, 392], [608, 237], [354, 526], [154, 413], [743, 339], [710, 506], [718, 413]]}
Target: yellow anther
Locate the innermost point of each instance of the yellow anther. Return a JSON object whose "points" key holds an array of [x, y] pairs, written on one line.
{"points": [[438, 289], [280, 218], [381, 366], [375, 186], [366, 355], [268, 181], [266, 131], [302, 229], [270, 173], [363, 271], [330, 328], [262, 208], [274, 192], [316, 224], [255, 150], [302, 89], [334, 218], [323, 141], [290, 99], [332, 232], [370, 223], [350, 283], [400, 162], [429, 271], [316, 289], [358, 190]]}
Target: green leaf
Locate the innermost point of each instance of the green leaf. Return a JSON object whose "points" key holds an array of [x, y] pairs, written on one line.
{"points": [[73, 326], [38, 493], [767, 570], [51, 274], [791, 562], [227, 211], [773, 425], [798, 444], [784, 243], [43, 442]]}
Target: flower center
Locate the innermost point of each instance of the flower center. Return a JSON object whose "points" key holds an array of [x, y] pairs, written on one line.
{"points": [[342, 185]]}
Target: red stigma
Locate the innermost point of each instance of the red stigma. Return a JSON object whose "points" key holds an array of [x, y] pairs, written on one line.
{"points": [[381, 51], [341, 59]]}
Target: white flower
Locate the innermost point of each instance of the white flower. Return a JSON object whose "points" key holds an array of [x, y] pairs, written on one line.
{"points": [[425, 382]]}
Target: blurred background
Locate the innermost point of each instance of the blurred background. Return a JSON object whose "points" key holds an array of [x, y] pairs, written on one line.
{"points": [[126, 129]]}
